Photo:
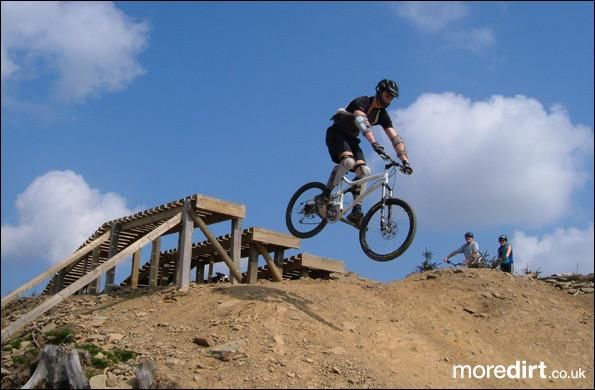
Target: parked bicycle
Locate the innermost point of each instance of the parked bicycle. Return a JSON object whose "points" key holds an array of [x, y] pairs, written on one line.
{"points": [[387, 229]]}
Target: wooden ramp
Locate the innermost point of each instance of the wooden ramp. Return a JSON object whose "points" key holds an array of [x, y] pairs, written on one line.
{"points": [[116, 240], [134, 226]]}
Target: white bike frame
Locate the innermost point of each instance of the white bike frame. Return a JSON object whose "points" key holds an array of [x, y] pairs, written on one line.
{"points": [[379, 179]]}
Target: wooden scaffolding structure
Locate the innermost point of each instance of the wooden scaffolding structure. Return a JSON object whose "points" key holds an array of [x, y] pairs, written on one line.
{"points": [[117, 240]]}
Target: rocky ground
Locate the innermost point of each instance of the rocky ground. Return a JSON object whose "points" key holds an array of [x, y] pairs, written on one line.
{"points": [[347, 332]]}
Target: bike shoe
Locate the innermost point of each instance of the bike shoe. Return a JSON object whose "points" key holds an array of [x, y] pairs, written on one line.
{"points": [[356, 216], [321, 203]]}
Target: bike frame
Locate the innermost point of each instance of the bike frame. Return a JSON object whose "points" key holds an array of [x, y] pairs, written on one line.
{"points": [[378, 179]]}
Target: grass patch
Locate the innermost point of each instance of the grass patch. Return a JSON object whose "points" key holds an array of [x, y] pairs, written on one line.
{"points": [[114, 356], [91, 348], [99, 363], [20, 360], [33, 352], [62, 335], [14, 344], [123, 355]]}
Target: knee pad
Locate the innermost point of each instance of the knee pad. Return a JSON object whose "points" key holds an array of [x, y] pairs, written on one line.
{"points": [[348, 163], [364, 170]]}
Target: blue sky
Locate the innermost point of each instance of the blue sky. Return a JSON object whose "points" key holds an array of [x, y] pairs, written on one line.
{"points": [[110, 108]]}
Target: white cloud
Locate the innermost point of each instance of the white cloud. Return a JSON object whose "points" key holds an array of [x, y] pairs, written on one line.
{"points": [[441, 18], [432, 16], [475, 39], [57, 212], [505, 160], [87, 47], [557, 252], [8, 67]]}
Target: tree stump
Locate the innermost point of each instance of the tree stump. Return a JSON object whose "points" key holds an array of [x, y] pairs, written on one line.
{"points": [[59, 367], [145, 375]]}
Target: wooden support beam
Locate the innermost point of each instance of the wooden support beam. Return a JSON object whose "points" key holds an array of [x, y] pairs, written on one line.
{"points": [[85, 266], [277, 277], [279, 254], [236, 245], [56, 299], [185, 248], [110, 275], [200, 273], [205, 230], [252, 265], [135, 269], [210, 275], [154, 267], [64, 263], [94, 285]]}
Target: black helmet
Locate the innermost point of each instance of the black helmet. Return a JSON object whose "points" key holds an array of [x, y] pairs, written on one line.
{"points": [[388, 86], [503, 237], [468, 234]]}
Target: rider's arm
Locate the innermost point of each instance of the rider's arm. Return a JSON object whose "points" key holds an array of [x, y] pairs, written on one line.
{"points": [[508, 250], [455, 252], [368, 134], [397, 143]]}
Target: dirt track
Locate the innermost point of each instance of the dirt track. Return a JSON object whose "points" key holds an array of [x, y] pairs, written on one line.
{"points": [[347, 332]]}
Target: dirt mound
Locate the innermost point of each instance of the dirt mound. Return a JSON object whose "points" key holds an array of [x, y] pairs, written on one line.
{"points": [[346, 332]]}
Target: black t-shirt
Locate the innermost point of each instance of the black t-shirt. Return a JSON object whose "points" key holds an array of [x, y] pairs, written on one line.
{"points": [[377, 116]]}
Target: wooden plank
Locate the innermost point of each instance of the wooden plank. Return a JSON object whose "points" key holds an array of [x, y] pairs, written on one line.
{"points": [[110, 275], [279, 253], [85, 268], [135, 269], [150, 219], [210, 276], [321, 263], [185, 249], [252, 276], [236, 245], [220, 206], [271, 237], [56, 299], [64, 263], [200, 273], [205, 230], [277, 277], [154, 267], [93, 286]]}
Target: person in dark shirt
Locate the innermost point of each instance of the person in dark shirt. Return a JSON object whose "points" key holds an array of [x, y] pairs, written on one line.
{"points": [[343, 143]]}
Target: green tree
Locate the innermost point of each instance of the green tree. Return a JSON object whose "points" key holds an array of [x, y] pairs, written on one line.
{"points": [[427, 264]]}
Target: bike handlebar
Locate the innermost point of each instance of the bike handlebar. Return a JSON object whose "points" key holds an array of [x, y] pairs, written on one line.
{"points": [[391, 162]]}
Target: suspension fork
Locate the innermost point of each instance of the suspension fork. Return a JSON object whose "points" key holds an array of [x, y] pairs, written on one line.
{"points": [[387, 192]]}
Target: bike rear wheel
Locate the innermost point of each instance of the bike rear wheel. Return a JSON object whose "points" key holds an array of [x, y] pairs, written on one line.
{"points": [[301, 217], [387, 229]]}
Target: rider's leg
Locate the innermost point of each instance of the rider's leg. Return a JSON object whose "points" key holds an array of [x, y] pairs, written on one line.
{"points": [[345, 165], [361, 171]]}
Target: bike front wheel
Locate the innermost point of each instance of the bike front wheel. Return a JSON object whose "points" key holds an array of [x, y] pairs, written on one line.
{"points": [[301, 216], [387, 229]]}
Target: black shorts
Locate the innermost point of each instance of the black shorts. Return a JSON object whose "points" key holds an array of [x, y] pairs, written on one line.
{"points": [[338, 142]]}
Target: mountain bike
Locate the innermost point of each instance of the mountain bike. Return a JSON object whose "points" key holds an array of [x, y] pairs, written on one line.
{"points": [[386, 230]]}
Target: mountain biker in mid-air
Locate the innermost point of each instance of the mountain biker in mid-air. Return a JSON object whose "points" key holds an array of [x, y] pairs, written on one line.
{"points": [[343, 143]]}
